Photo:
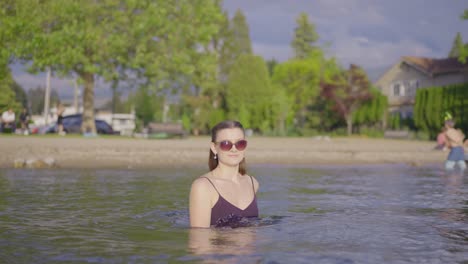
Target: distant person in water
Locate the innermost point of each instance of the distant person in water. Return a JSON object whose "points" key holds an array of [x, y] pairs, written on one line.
{"points": [[226, 193], [454, 142]]}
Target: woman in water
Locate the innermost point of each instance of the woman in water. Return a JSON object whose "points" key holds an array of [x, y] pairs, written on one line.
{"points": [[226, 193]]}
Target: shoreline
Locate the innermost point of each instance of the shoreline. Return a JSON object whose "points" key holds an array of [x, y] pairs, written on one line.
{"points": [[129, 153]]}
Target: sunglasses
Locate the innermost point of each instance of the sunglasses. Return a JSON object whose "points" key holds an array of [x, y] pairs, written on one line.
{"points": [[226, 145]]}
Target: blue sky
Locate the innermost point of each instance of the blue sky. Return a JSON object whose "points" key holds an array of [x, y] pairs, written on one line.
{"points": [[371, 33]]}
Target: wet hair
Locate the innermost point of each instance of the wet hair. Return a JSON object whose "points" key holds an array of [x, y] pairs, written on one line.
{"points": [[212, 162]]}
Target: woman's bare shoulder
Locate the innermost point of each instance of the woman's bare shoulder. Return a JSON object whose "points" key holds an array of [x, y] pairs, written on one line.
{"points": [[201, 182], [255, 182]]}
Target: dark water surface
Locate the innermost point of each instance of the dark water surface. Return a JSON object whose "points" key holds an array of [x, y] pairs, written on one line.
{"points": [[350, 214]]}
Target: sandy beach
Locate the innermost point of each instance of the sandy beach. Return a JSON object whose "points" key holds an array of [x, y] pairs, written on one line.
{"points": [[128, 153]]}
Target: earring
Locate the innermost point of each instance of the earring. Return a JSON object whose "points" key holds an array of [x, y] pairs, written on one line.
{"points": [[215, 156]]}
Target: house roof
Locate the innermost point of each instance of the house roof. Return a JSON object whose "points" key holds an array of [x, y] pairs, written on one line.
{"points": [[433, 67]]}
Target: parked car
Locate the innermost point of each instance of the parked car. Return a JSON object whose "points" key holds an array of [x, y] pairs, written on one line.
{"points": [[72, 125]]}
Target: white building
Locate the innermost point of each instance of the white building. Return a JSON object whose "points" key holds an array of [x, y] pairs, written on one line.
{"points": [[121, 123]]}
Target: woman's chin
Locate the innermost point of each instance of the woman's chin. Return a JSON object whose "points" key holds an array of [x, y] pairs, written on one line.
{"points": [[232, 162]]}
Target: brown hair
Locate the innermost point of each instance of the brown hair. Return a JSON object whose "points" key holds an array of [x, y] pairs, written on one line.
{"points": [[212, 162]]}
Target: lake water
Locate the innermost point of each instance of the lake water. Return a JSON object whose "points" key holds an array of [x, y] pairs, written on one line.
{"points": [[323, 214]]}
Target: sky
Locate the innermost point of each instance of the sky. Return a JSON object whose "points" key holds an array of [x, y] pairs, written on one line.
{"points": [[373, 34]]}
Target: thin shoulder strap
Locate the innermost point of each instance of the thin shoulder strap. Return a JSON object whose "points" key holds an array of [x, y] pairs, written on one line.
{"points": [[253, 186], [212, 184]]}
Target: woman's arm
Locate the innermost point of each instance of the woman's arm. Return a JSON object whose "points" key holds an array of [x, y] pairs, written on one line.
{"points": [[200, 203]]}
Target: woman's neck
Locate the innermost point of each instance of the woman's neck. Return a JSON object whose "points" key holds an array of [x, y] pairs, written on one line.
{"points": [[226, 172]]}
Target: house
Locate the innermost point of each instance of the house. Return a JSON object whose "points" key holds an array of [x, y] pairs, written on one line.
{"points": [[409, 74]]}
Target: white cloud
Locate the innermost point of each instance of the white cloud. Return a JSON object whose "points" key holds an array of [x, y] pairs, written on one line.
{"points": [[377, 54], [362, 40]]}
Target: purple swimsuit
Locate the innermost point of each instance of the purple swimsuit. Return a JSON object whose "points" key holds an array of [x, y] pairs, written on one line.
{"points": [[223, 208]]}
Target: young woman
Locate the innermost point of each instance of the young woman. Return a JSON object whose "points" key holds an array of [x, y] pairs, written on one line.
{"points": [[226, 191]]}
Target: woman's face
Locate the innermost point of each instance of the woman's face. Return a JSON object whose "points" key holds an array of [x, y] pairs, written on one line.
{"points": [[233, 156]]}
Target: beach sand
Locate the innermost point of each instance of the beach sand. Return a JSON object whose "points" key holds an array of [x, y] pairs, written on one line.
{"points": [[128, 153]]}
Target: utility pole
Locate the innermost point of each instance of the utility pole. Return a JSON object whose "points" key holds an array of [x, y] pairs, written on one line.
{"points": [[47, 97]]}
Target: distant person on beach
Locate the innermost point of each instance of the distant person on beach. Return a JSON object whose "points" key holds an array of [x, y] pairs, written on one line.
{"points": [[60, 110], [441, 140], [226, 193], [454, 142], [24, 120], [8, 120]]}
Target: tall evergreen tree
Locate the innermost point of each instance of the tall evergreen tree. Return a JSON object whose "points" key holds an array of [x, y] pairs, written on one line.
{"points": [[271, 64], [305, 37], [249, 93], [241, 32], [236, 41], [457, 46], [373, 111], [464, 50]]}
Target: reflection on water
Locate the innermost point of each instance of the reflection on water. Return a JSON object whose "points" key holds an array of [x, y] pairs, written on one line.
{"points": [[226, 245], [351, 214]]}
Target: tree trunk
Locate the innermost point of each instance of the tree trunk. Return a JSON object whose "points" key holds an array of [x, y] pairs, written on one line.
{"points": [[282, 126], [88, 125], [349, 123]]}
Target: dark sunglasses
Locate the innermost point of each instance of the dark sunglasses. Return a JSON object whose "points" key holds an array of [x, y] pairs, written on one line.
{"points": [[226, 145]]}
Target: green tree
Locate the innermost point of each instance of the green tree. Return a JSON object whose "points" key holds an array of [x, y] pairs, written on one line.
{"points": [[235, 41], [464, 49], [249, 93], [241, 34], [348, 90], [20, 99], [155, 39], [280, 112], [420, 108], [373, 111], [20, 94], [271, 64], [7, 94], [457, 46], [300, 79], [148, 105], [305, 37]]}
